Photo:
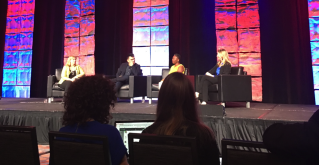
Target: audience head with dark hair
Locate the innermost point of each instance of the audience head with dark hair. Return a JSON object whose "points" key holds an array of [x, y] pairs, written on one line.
{"points": [[177, 115], [89, 98]]}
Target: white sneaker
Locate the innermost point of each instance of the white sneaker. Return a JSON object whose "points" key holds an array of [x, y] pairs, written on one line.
{"points": [[204, 103], [196, 94]]}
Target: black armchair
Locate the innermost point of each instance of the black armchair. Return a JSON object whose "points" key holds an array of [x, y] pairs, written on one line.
{"points": [[135, 88], [152, 85], [53, 90], [233, 87]]}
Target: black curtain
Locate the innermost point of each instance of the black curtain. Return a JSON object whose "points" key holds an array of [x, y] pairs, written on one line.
{"points": [[192, 33], [3, 21], [113, 34], [286, 56], [48, 43]]}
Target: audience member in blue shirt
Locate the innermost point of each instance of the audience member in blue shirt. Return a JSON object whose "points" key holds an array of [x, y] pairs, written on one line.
{"points": [[87, 111], [223, 66]]}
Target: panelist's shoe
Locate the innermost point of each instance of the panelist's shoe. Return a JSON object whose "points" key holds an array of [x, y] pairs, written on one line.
{"points": [[204, 103], [196, 94]]}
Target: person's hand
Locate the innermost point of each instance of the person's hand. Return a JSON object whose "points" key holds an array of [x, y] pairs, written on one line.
{"points": [[73, 79]]}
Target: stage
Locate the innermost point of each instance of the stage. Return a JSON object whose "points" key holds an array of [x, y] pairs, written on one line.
{"points": [[239, 123]]}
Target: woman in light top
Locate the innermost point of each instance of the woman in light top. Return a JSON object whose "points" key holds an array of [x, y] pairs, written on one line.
{"points": [[70, 72], [223, 66]]}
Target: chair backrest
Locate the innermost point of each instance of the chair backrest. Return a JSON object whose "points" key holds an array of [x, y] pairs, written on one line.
{"points": [[58, 73], [237, 70], [164, 73], [186, 72], [233, 153], [148, 149], [18, 145], [71, 148]]}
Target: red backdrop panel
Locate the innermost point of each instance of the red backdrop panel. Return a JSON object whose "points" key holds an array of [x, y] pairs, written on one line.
{"points": [[227, 39]]}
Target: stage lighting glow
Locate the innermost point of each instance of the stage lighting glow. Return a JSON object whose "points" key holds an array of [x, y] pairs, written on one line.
{"points": [[27, 23], [72, 27], [159, 56], [315, 53], [225, 17], [159, 2], [71, 47], [24, 76], [225, 2], [26, 40], [142, 16], [87, 63], [141, 3], [14, 8], [247, 16], [240, 2], [146, 71], [315, 70], [87, 45], [251, 63], [159, 15], [13, 24], [22, 91], [9, 76], [87, 25], [27, 7], [256, 87], [141, 36], [159, 35], [314, 29], [25, 58], [313, 7], [87, 7], [227, 39], [142, 55], [12, 41], [233, 57], [10, 59], [249, 40], [72, 8]]}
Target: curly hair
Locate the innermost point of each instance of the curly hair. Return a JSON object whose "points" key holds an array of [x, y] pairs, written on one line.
{"points": [[89, 97]]}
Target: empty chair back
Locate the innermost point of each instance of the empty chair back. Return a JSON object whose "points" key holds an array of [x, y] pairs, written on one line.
{"points": [[146, 149], [65, 149], [58, 73], [237, 70], [164, 73], [18, 145], [233, 153]]}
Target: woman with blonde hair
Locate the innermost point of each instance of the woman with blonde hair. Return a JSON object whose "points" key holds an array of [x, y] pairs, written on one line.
{"points": [[222, 67], [70, 72]]}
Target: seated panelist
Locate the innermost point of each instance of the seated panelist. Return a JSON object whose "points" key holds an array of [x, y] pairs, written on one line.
{"points": [[223, 66], [70, 72], [129, 68], [177, 66]]}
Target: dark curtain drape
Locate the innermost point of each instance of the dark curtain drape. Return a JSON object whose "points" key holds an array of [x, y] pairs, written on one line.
{"points": [[192, 33], [286, 56], [3, 21], [48, 43], [113, 34]]}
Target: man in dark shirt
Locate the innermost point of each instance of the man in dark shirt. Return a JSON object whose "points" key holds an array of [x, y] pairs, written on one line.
{"points": [[129, 68]]}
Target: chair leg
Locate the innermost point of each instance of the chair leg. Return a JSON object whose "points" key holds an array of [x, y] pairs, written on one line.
{"points": [[49, 99], [247, 104], [52, 99], [223, 104], [150, 100], [143, 99], [132, 100]]}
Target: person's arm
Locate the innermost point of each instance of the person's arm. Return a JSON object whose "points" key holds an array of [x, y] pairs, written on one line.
{"points": [[213, 70], [81, 72], [118, 74], [181, 69]]}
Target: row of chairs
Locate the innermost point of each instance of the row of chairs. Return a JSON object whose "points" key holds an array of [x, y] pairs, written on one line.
{"points": [[19, 146], [233, 87]]}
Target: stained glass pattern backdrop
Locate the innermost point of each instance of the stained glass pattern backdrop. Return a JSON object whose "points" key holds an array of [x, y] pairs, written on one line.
{"points": [[151, 35], [313, 7], [18, 49], [79, 33], [238, 31]]}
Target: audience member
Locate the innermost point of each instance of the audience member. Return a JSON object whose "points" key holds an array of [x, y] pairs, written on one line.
{"points": [[298, 142], [87, 111], [177, 115]]}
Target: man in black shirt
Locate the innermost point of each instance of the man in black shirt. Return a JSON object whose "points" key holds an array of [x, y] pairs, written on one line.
{"points": [[129, 68]]}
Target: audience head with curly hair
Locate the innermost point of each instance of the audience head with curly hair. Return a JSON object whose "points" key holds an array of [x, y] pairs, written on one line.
{"points": [[89, 98]]}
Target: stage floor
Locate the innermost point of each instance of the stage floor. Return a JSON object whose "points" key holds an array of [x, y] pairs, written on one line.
{"points": [[261, 111]]}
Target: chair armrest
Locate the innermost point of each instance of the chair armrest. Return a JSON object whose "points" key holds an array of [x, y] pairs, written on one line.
{"points": [[234, 88], [152, 80], [51, 80], [137, 86]]}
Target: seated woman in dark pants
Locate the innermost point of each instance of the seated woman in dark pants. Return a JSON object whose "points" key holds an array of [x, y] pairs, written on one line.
{"points": [[222, 67], [70, 72]]}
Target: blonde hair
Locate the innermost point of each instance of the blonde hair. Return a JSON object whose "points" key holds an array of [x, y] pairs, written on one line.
{"points": [[68, 63], [224, 56]]}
